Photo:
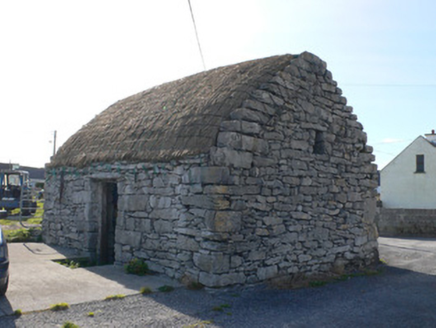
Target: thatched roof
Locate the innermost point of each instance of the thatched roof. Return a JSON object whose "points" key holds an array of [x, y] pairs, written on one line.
{"points": [[173, 120]]}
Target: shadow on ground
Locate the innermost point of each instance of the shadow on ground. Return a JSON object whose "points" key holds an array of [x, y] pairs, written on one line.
{"points": [[397, 297]]}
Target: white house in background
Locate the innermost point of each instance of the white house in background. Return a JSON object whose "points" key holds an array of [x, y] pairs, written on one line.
{"points": [[409, 180]]}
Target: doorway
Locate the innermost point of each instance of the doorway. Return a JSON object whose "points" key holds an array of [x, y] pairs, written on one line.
{"points": [[109, 212]]}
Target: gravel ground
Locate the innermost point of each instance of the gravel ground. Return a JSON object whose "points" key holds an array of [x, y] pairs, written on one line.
{"points": [[394, 298]]}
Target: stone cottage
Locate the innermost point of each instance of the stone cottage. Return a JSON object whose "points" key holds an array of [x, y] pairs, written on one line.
{"points": [[232, 176]]}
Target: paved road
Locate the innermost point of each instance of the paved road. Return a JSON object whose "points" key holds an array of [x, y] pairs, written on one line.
{"points": [[402, 296]]}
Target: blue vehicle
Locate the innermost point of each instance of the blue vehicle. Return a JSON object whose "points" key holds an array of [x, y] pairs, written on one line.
{"points": [[4, 264], [15, 192]]}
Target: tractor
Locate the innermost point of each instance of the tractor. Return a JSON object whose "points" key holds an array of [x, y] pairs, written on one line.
{"points": [[15, 193]]}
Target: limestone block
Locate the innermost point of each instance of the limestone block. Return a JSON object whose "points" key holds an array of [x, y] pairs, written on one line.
{"points": [[145, 225], [166, 214], [236, 261], [304, 258], [163, 226], [229, 139], [360, 240], [207, 175], [159, 202], [132, 238], [225, 221], [230, 126], [270, 220], [232, 158], [249, 115], [278, 229], [206, 202], [188, 231], [130, 224], [267, 272], [212, 263], [255, 145], [133, 202], [250, 127], [216, 246], [263, 161], [256, 255], [187, 243], [215, 280]]}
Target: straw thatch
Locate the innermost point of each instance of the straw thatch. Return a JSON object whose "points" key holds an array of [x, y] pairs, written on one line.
{"points": [[173, 120]]}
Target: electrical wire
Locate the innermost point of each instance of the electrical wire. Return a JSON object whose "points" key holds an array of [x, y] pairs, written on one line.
{"points": [[196, 34]]}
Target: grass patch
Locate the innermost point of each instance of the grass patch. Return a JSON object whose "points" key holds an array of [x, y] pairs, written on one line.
{"points": [[166, 288], [59, 307], [383, 261], [115, 297], [317, 283], [220, 308], [69, 324], [17, 235], [200, 324], [90, 314], [137, 266], [82, 262], [364, 273], [146, 290], [18, 312], [15, 232]]}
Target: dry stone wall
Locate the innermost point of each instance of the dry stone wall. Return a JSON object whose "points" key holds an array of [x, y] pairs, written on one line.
{"points": [[288, 189], [406, 222]]}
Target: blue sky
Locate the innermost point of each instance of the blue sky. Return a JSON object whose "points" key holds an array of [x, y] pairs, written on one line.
{"points": [[63, 62]]}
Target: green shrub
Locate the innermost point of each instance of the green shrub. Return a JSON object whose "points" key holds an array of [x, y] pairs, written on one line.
{"points": [[136, 266], [18, 312]]}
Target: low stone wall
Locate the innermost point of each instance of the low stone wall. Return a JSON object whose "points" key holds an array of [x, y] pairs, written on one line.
{"points": [[406, 222]]}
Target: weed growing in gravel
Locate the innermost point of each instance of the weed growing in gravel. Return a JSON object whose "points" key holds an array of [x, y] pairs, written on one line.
{"points": [[18, 312], [83, 262], [69, 324], [220, 308], [200, 324], [166, 288], [136, 266], [317, 283], [194, 285], [59, 307], [115, 297], [71, 264], [145, 290], [90, 314], [365, 273]]}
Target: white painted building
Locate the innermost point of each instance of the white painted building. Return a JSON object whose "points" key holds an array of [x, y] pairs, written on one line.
{"points": [[409, 180]]}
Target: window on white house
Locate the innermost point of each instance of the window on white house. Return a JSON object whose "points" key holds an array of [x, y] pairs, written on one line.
{"points": [[419, 164]]}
